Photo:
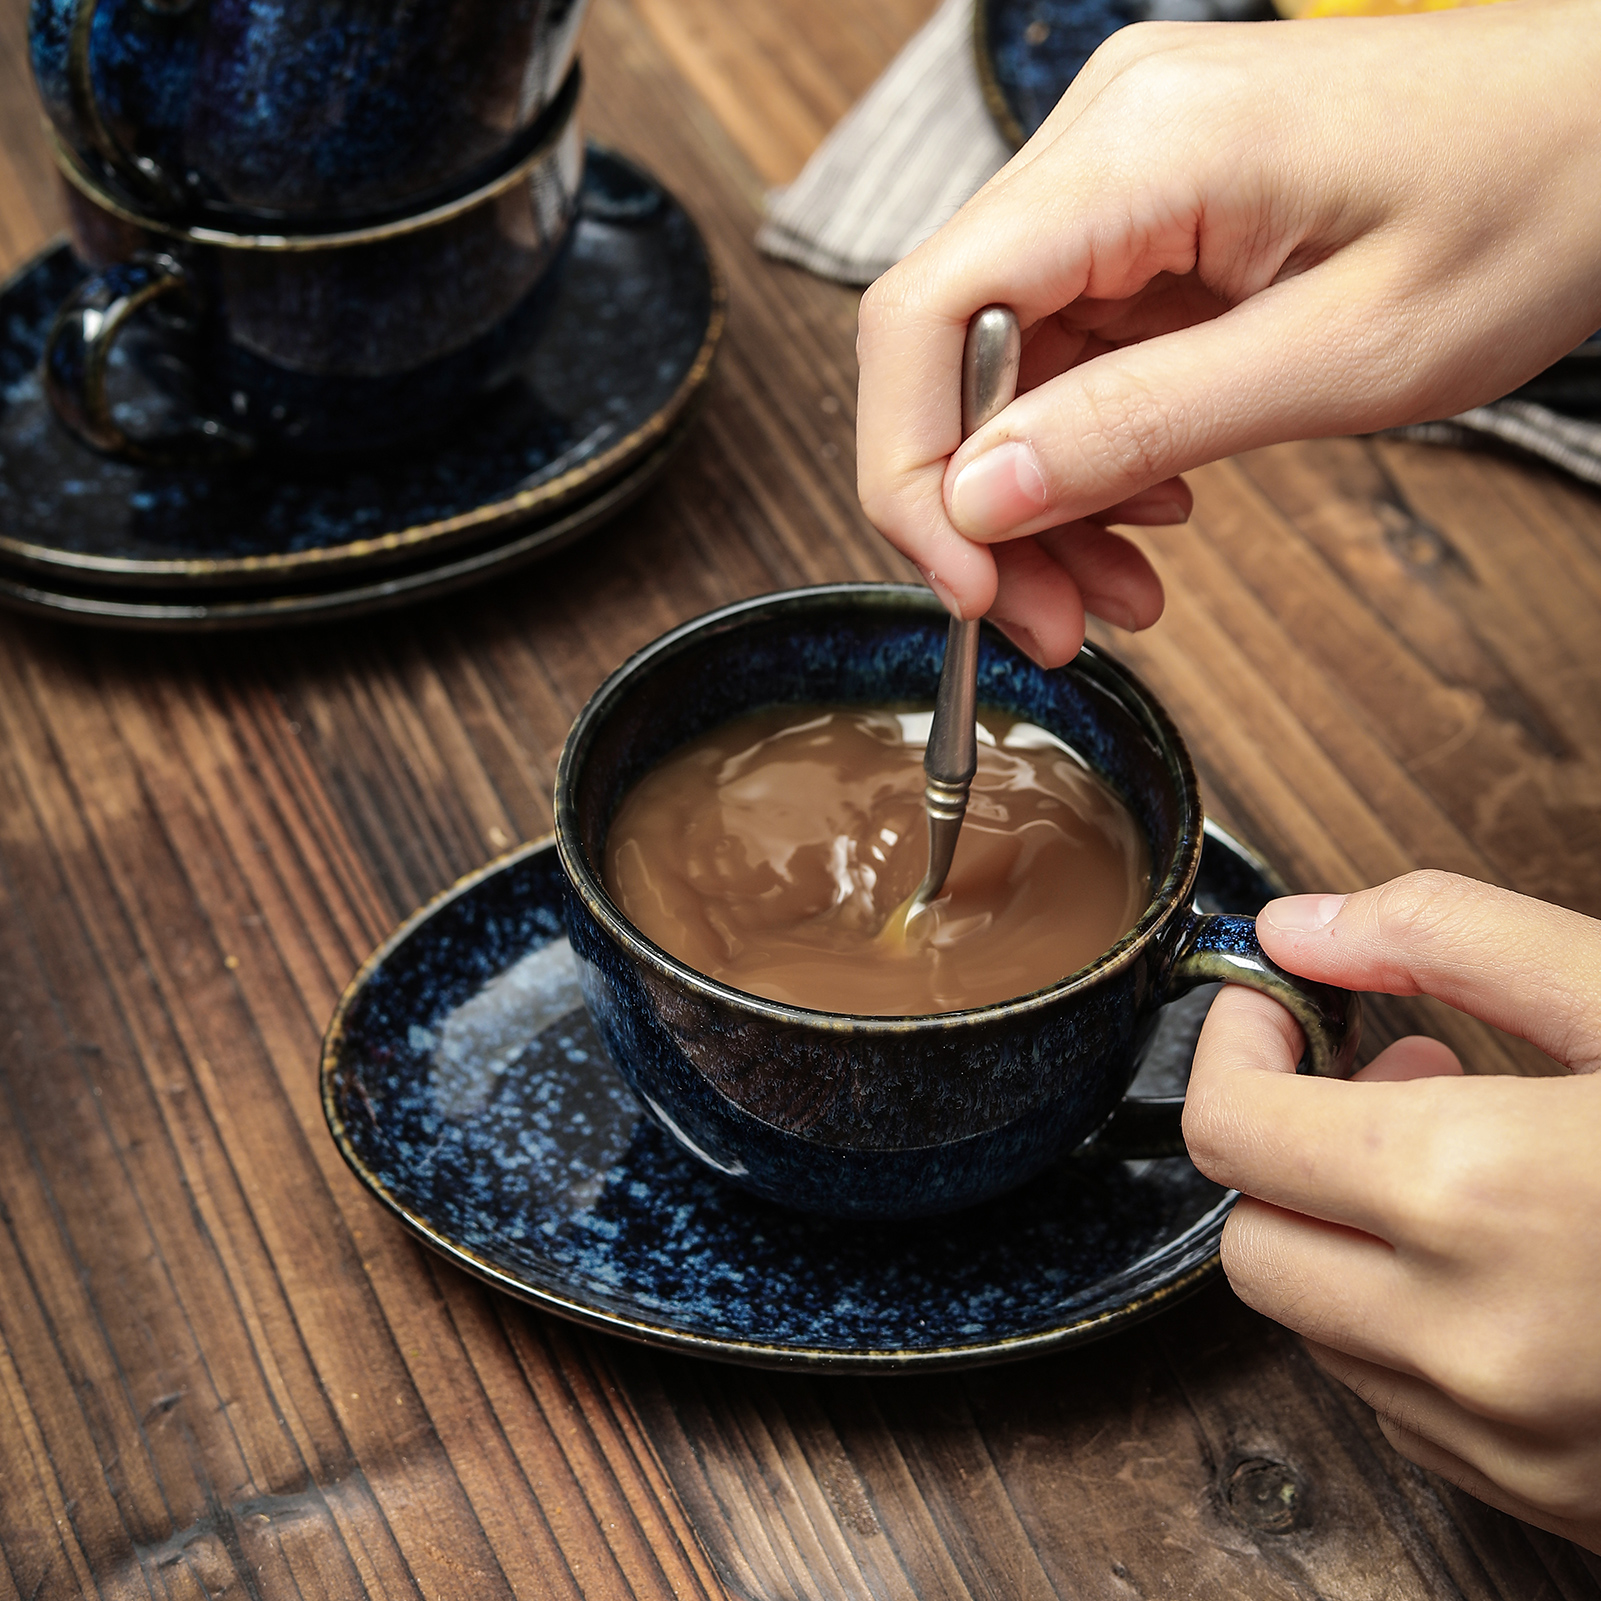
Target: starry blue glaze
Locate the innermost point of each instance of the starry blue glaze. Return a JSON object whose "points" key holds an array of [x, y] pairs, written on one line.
{"points": [[1031, 50], [873, 1117], [332, 349], [879, 1117], [301, 109], [556, 1186], [628, 322]]}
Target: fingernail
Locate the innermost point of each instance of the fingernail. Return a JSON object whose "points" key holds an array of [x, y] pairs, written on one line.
{"points": [[946, 598], [1110, 609], [998, 491], [1302, 914], [1023, 638]]}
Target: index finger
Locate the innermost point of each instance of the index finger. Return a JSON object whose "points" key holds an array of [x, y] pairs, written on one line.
{"points": [[1015, 244]]}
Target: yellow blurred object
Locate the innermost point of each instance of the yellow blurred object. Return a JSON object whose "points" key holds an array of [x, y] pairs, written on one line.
{"points": [[1368, 8], [1372, 7]]}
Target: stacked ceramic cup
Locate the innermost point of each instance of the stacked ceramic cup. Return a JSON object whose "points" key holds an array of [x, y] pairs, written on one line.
{"points": [[351, 316], [322, 226]]}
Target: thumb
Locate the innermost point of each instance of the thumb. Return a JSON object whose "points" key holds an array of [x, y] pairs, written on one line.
{"points": [[1525, 966]]}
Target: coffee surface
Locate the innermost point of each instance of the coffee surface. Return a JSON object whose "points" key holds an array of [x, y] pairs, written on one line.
{"points": [[771, 853]]}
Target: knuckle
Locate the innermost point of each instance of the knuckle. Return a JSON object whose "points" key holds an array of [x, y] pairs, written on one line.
{"points": [[1498, 1373], [1155, 71], [884, 304], [1420, 907], [1146, 59], [1456, 1173], [1566, 1484], [1248, 1260], [1205, 1123], [880, 503], [1129, 434], [1142, 54]]}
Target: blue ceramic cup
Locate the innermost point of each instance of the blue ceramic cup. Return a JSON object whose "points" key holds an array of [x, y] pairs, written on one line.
{"points": [[296, 112], [324, 342], [880, 1117]]}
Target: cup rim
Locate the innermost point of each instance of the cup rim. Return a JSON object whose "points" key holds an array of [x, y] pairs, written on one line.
{"points": [[556, 123], [1167, 900]]}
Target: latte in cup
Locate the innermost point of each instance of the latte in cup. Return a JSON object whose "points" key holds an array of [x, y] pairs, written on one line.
{"points": [[771, 853], [859, 1100]]}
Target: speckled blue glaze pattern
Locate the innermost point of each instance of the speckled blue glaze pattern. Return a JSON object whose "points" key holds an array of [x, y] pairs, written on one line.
{"points": [[1029, 51], [329, 349], [851, 1125], [198, 609], [491, 1122], [623, 353], [872, 1116], [299, 109]]}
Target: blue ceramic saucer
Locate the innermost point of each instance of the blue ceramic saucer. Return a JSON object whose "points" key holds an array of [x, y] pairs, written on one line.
{"points": [[463, 1084], [625, 354], [205, 609]]}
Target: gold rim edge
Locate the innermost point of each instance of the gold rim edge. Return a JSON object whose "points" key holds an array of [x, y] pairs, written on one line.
{"points": [[333, 605]]}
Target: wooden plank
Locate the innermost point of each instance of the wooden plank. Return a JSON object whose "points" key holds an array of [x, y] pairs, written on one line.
{"points": [[1101, 1473], [31, 210]]}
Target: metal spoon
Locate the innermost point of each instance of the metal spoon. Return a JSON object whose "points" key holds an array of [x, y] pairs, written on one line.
{"points": [[989, 381]]}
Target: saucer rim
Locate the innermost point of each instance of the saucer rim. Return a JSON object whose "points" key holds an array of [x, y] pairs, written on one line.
{"points": [[107, 609], [750, 1353], [442, 533]]}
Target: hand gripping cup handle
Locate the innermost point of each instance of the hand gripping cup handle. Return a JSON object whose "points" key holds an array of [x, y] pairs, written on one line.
{"points": [[1218, 947]]}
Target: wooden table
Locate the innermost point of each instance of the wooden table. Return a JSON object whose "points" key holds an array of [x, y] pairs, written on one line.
{"points": [[223, 1370]]}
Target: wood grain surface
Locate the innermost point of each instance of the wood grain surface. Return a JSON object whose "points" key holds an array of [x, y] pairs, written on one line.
{"points": [[223, 1371]]}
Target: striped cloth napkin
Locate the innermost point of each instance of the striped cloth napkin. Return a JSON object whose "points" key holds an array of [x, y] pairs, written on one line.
{"points": [[921, 141], [1572, 443], [899, 164]]}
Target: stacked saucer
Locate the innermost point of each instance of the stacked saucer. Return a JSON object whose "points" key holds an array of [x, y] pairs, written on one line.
{"points": [[586, 421]]}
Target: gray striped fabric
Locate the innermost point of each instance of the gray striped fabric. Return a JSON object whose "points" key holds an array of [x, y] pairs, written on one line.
{"points": [[1567, 442], [900, 162], [920, 142]]}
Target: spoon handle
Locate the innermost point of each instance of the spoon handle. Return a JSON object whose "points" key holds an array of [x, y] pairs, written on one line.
{"points": [[989, 381]]}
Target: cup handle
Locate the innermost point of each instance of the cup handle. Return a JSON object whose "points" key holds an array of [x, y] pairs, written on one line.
{"points": [[78, 350], [1216, 947], [145, 177]]}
